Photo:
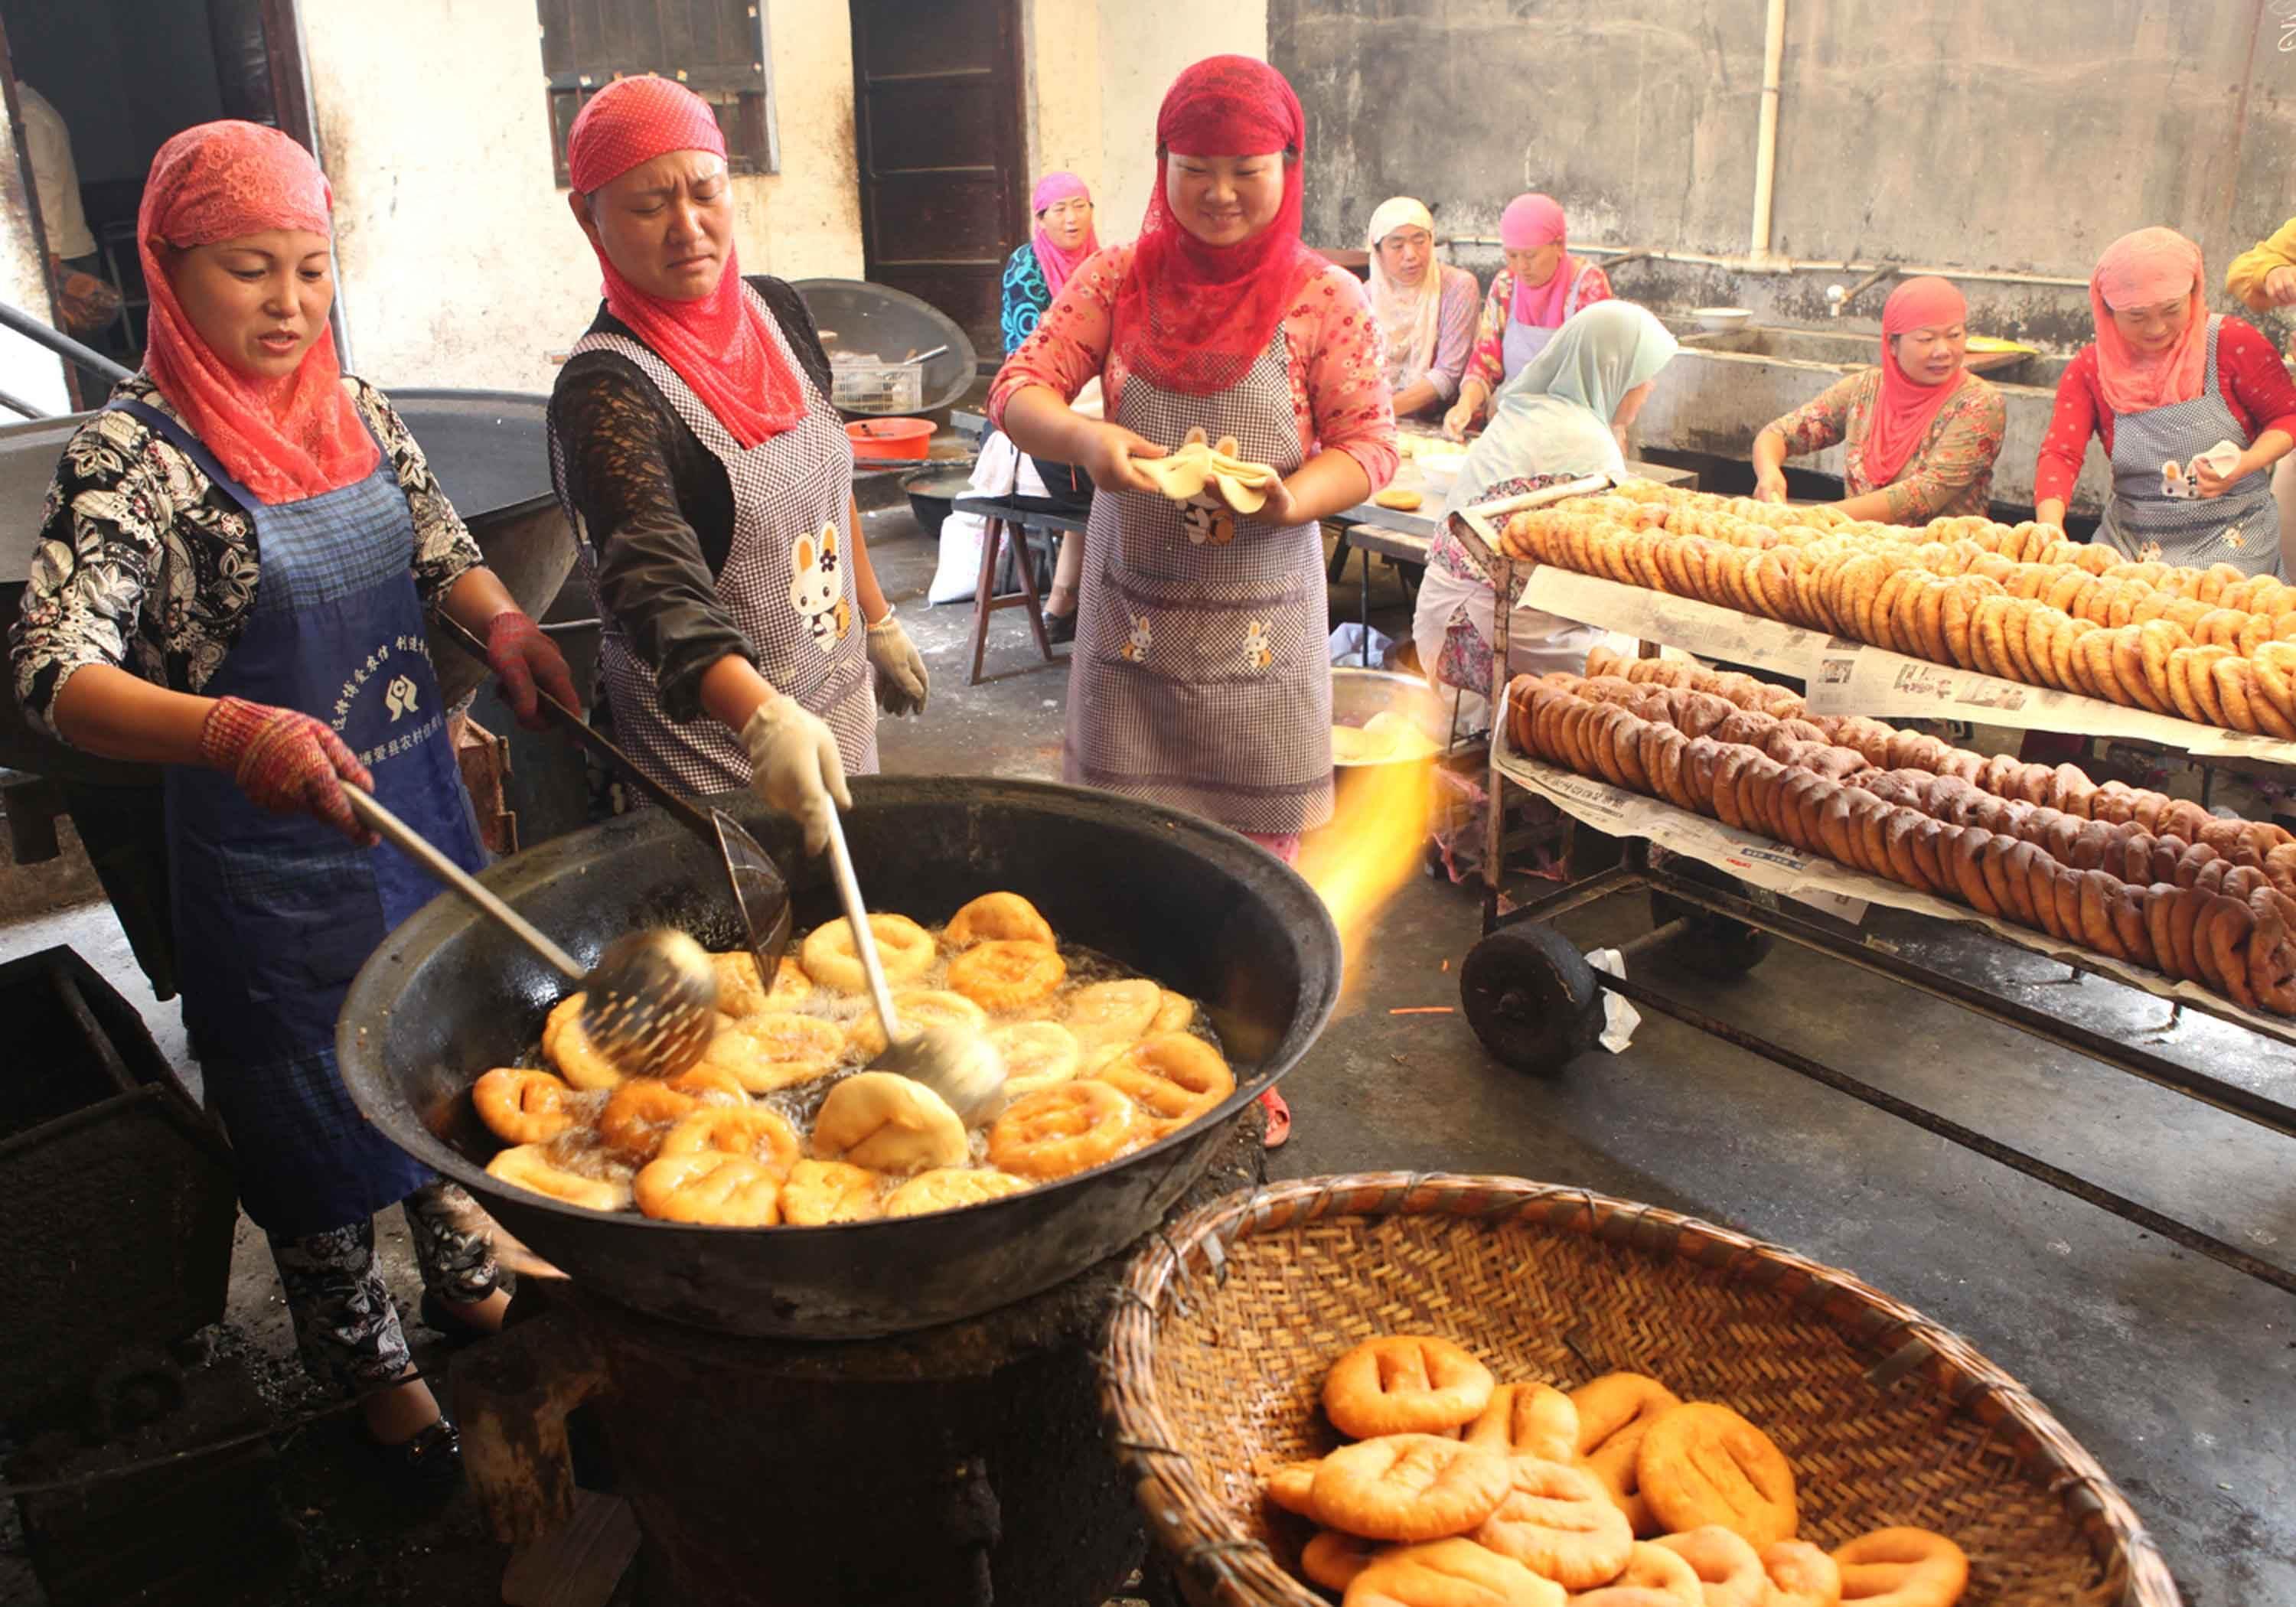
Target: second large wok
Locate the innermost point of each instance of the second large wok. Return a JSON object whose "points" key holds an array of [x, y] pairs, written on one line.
{"points": [[1196, 906]]}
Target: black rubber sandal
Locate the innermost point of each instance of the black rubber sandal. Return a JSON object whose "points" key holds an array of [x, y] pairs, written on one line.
{"points": [[428, 1463]]}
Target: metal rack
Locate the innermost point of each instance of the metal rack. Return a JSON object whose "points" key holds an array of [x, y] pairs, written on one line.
{"points": [[1535, 1004]]}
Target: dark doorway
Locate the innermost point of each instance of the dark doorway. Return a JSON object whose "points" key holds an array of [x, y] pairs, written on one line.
{"points": [[936, 93]]}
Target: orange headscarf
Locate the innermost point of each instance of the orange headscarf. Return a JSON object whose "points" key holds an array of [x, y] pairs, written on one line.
{"points": [[1905, 408], [718, 345], [287, 439], [2143, 269]]}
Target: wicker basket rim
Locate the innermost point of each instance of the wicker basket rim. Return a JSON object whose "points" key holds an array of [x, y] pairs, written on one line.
{"points": [[1230, 1565]]}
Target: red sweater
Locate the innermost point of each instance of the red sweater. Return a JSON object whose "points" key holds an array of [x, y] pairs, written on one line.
{"points": [[2249, 373]]}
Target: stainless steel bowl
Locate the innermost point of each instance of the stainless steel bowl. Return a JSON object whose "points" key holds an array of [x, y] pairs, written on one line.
{"points": [[1359, 695]]}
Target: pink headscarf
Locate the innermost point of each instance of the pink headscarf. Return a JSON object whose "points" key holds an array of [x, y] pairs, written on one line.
{"points": [[1529, 223], [718, 345], [2144, 269], [287, 439], [1906, 407], [1056, 264]]}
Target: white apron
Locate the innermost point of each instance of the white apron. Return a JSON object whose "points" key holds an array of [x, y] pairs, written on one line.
{"points": [[787, 583], [1525, 341], [1201, 678]]}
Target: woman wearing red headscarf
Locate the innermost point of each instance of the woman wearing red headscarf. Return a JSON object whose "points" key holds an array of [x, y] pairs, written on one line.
{"points": [[1530, 298], [1201, 677], [693, 440], [1919, 434], [2193, 410], [240, 556]]}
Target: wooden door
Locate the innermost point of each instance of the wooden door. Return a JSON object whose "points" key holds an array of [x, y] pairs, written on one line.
{"points": [[937, 87]]}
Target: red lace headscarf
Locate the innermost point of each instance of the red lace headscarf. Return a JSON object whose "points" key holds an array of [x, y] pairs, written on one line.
{"points": [[1905, 407], [285, 439], [718, 345], [1192, 317]]}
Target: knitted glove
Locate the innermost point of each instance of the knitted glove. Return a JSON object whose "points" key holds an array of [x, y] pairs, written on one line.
{"points": [[525, 659], [288, 762], [795, 768], [902, 683]]}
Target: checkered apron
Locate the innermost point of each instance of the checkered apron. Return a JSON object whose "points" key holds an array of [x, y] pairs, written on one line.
{"points": [[787, 583], [1201, 675], [2241, 528]]}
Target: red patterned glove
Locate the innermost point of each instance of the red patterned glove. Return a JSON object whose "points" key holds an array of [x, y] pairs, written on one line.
{"points": [[525, 659], [288, 762]]}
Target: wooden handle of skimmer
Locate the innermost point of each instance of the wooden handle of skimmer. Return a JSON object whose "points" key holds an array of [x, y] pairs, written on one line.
{"points": [[418, 848], [865, 941]]}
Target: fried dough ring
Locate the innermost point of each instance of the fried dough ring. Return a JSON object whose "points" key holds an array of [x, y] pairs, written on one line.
{"points": [[1175, 1013], [1703, 1464], [776, 1049], [1174, 1078], [711, 1084], [997, 915], [1404, 1384], [1332, 1560], [1409, 1487], [1902, 1568], [1004, 974], [951, 1188], [1655, 1576], [1448, 1573], [1038, 1055], [820, 1192], [1292, 1486], [568, 1048], [1614, 1413], [918, 1008], [1527, 1420], [709, 1186], [1118, 1012], [1560, 1522], [888, 1124], [1069, 1128], [753, 1131], [904, 948], [1800, 1575], [1729, 1569], [740, 993], [522, 1106], [639, 1114], [529, 1166]]}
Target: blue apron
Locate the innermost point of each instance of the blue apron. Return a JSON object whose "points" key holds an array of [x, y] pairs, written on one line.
{"points": [[274, 913]]}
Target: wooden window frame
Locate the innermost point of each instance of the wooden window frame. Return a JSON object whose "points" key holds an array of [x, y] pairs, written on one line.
{"points": [[743, 99]]}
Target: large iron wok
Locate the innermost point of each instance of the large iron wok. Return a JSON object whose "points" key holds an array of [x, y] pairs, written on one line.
{"points": [[1196, 906]]}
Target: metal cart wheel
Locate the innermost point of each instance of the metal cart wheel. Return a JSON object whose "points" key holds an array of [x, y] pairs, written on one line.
{"points": [[1532, 997], [1712, 946]]}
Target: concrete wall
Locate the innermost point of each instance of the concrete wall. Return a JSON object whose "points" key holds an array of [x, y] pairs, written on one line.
{"points": [[27, 371], [1962, 133], [460, 265]]}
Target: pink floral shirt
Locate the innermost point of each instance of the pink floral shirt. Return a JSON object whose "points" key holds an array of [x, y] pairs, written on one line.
{"points": [[1488, 363], [1339, 382]]}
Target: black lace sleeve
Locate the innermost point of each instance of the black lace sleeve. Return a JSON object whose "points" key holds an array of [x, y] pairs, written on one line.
{"points": [[617, 445]]}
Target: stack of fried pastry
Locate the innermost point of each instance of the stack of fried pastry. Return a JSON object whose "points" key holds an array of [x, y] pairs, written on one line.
{"points": [[2019, 602], [2107, 867], [1458, 1489], [747, 1138]]}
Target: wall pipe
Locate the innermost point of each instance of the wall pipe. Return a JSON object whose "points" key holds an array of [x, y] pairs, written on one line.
{"points": [[1766, 148], [1792, 264]]}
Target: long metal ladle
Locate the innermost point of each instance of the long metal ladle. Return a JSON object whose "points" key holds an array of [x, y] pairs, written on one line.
{"points": [[650, 1006]]}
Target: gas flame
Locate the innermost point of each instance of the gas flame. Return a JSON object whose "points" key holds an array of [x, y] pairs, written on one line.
{"points": [[1371, 847]]}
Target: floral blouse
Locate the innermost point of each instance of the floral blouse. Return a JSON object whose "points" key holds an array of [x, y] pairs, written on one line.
{"points": [[146, 564], [1339, 382], [1488, 363], [1950, 473]]}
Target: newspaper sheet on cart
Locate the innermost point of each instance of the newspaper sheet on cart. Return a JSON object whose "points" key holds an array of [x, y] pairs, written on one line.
{"points": [[1817, 880]]}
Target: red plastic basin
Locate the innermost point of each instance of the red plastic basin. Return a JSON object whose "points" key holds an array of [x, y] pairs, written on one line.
{"points": [[897, 440]]}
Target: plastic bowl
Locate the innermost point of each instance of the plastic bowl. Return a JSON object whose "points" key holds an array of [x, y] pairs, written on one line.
{"points": [[1719, 318], [891, 441]]}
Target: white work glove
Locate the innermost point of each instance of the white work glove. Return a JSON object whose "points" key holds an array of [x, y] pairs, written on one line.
{"points": [[902, 683], [795, 767]]}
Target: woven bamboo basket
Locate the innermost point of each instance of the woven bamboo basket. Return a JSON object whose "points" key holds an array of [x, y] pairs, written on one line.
{"points": [[1216, 1355]]}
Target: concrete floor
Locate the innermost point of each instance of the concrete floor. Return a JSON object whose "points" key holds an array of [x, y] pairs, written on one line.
{"points": [[2178, 1374]]}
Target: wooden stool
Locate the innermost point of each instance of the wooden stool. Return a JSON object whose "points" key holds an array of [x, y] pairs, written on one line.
{"points": [[1002, 516]]}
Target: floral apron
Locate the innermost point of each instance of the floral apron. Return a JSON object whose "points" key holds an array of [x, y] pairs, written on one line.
{"points": [[274, 913], [787, 583], [1201, 675], [2241, 528]]}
